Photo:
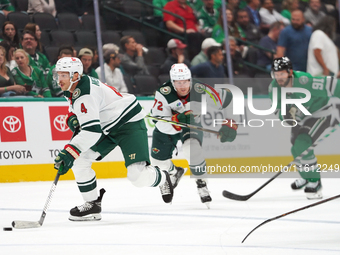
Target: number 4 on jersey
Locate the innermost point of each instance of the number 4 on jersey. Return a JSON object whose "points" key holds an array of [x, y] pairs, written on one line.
{"points": [[83, 108]]}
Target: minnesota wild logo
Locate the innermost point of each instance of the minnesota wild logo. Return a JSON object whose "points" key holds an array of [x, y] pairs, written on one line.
{"points": [[155, 150]]}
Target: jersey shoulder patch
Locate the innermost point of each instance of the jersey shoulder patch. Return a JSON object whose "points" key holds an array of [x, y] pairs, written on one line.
{"points": [[83, 88], [168, 91], [165, 90]]}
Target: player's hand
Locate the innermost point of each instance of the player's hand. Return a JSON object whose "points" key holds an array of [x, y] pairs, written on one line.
{"points": [[64, 160], [291, 112], [72, 121], [227, 132], [184, 117]]}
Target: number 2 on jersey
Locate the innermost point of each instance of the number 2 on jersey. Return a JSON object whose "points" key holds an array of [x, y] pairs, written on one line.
{"points": [[83, 108]]}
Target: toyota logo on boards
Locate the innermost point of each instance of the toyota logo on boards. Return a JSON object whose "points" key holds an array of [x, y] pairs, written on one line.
{"points": [[11, 124], [59, 129], [59, 123]]}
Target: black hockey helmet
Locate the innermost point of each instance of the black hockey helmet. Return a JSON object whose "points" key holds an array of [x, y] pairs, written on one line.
{"points": [[282, 63]]}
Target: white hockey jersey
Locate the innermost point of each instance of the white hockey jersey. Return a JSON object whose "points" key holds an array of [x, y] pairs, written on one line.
{"points": [[100, 109], [168, 103]]}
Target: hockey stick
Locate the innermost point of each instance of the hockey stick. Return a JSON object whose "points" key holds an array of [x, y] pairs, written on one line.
{"points": [[36, 224], [294, 211], [183, 124], [233, 196]]}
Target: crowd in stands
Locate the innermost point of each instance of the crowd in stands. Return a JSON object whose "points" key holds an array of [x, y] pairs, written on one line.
{"points": [[138, 62]]}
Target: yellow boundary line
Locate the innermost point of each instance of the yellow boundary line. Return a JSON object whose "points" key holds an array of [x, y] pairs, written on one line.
{"points": [[46, 172]]}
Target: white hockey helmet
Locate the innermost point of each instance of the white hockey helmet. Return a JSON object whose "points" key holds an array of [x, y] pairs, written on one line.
{"points": [[180, 72], [71, 65]]}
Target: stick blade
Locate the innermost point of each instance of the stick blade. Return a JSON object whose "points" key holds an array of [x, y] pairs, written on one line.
{"points": [[233, 196], [25, 224]]}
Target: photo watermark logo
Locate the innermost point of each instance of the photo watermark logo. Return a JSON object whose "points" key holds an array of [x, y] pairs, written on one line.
{"points": [[238, 104]]}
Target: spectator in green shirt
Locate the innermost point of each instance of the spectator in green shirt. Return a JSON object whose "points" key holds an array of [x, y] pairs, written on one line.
{"points": [[208, 16], [29, 76], [29, 42], [218, 32], [6, 7], [160, 4], [86, 57]]}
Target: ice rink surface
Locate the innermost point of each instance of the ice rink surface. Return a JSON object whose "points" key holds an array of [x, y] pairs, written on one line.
{"points": [[137, 221]]}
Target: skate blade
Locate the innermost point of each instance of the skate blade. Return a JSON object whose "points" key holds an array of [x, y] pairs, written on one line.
{"points": [[207, 204], [91, 217], [311, 196]]}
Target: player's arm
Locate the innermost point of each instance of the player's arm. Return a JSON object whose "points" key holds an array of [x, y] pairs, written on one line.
{"points": [[87, 113]]}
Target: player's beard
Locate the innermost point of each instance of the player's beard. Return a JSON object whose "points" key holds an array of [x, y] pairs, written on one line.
{"points": [[284, 83]]}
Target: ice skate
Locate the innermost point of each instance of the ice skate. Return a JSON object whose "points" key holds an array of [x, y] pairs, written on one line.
{"points": [[90, 211], [176, 175], [203, 192], [299, 184], [313, 190], [167, 190]]}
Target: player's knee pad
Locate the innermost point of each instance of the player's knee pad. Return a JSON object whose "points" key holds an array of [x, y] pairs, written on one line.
{"points": [[82, 166], [142, 175], [301, 143], [162, 164]]}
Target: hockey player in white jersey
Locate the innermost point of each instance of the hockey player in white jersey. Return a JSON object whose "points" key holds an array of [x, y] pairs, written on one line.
{"points": [[176, 100], [107, 119]]}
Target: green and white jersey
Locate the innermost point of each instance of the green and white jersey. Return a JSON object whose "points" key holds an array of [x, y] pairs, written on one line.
{"points": [[207, 19], [321, 89], [36, 81], [168, 103], [40, 61], [100, 109]]}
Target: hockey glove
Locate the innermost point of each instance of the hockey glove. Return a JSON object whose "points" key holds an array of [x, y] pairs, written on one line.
{"points": [[72, 121], [64, 160], [290, 115], [185, 117], [227, 132]]}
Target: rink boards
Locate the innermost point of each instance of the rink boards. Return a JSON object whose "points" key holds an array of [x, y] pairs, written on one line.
{"points": [[32, 132]]}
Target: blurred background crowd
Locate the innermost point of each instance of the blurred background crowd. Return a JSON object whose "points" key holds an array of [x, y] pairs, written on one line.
{"points": [[142, 39]]}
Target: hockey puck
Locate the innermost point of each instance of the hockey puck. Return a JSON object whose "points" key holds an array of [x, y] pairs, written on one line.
{"points": [[7, 229]]}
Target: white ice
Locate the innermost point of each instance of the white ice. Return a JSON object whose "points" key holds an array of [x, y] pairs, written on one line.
{"points": [[137, 221]]}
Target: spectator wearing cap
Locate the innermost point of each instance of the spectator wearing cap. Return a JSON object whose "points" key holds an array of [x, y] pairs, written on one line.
{"points": [[202, 56], [110, 46], [213, 68], [132, 60], [176, 55], [86, 57], [113, 75]]}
